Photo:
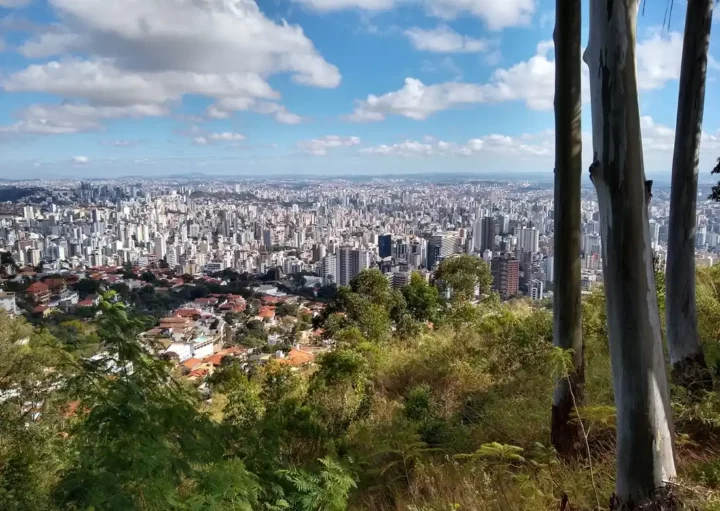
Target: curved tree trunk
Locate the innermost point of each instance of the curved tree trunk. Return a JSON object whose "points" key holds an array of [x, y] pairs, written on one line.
{"points": [[686, 354], [566, 434], [645, 455]]}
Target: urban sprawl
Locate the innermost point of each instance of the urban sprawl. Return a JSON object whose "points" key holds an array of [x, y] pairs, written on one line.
{"points": [[288, 241]]}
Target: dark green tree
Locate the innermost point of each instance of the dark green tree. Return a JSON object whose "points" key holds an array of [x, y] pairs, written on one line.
{"points": [[464, 274], [423, 300], [148, 276], [715, 193], [286, 309], [141, 440], [87, 287]]}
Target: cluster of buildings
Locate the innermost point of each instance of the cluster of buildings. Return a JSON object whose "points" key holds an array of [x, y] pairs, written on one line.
{"points": [[332, 229]]}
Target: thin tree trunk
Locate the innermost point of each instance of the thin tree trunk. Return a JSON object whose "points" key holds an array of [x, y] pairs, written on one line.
{"points": [[645, 455], [566, 434], [686, 354]]}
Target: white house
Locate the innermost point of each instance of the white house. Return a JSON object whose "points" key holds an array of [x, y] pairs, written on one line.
{"points": [[7, 302]]}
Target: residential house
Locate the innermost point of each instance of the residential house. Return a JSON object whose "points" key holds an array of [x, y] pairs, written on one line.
{"points": [[90, 301], [68, 299], [297, 358], [39, 292], [56, 285], [199, 337], [7, 302]]}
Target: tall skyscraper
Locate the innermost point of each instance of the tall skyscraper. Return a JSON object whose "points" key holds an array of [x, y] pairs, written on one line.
{"points": [[385, 245], [350, 262], [328, 271], [160, 247], [442, 245], [319, 251], [536, 291], [487, 233], [33, 256], [550, 269], [528, 240], [506, 275]]}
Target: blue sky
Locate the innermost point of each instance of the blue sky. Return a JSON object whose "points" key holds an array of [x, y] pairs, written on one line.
{"points": [[242, 87]]}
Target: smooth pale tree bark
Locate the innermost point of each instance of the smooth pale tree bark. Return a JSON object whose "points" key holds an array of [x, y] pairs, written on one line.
{"points": [[645, 454], [686, 354], [566, 434]]}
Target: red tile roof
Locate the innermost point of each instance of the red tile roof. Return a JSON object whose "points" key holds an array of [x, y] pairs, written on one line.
{"points": [[215, 359], [188, 313], [266, 312], [192, 363], [297, 358], [272, 299], [37, 287]]}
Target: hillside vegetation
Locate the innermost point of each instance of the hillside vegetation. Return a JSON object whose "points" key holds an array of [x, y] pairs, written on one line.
{"points": [[422, 405]]}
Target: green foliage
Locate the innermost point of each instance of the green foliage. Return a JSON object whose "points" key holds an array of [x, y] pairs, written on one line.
{"points": [[141, 439], [87, 287], [286, 309], [463, 274], [497, 453], [397, 416], [148, 276], [715, 193], [418, 404], [372, 285], [423, 300], [326, 490]]}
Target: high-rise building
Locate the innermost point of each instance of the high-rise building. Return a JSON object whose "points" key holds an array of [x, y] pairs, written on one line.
{"points": [[442, 245], [503, 224], [160, 248], [506, 275], [550, 269], [267, 237], [535, 289], [528, 240], [351, 262], [385, 245], [487, 234], [328, 271], [318, 252], [400, 279], [33, 256]]}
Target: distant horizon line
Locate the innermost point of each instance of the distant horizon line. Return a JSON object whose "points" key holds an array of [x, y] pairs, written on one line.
{"points": [[660, 177]]}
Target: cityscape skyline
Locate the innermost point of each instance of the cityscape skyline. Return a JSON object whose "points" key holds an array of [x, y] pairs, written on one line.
{"points": [[328, 229], [337, 86]]}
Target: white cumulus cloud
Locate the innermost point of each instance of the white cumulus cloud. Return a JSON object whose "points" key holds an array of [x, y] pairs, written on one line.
{"points": [[338, 5], [321, 146], [75, 118], [227, 136], [536, 151], [444, 40], [497, 14], [531, 81], [530, 146], [157, 51], [81, 160]]}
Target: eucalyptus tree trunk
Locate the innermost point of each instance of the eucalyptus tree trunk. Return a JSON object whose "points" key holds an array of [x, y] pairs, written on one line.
{"points": [[645, 455], [566, 434], [686, 354]]}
